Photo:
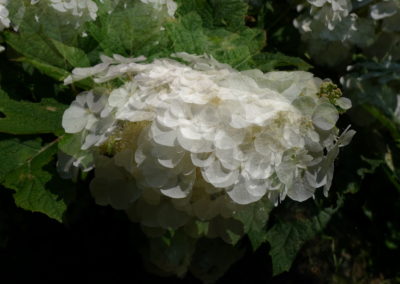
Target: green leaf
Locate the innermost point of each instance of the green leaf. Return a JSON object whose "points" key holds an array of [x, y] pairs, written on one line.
{"points": [[23, 117], [131, 30], [47, 69], [75, 56], [36, 47], [272, 61], [31, 183], [374, 164], [236, 49], [14, 153], [200, 7], [383, 120], [255, 219], [287, 238], [189, 34], [229, 13]]}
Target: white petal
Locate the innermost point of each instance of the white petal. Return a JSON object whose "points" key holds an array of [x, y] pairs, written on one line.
{"points": [[300, 192], [219, 176], [240, 194], [74, 119], [343, 103], [182, 188], [194, 145], [202, 159], [163, 135], [169, 157], [325, 116]]}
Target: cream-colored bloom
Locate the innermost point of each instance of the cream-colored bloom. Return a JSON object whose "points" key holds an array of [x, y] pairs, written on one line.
{"points": [[203, 138], [159, 4], [331, 29], [4, 20], [81, 10]]}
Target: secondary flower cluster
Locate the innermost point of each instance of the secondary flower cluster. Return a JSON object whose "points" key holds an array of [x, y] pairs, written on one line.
{"points": [[78, 8], [332, 28], [4, 20], [159, 4], [174, 142], [375, 83]]}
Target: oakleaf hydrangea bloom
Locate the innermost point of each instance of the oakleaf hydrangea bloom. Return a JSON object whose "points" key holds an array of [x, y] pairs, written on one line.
{"points": [[4, 20], [84, 9], [159, 4], [332, 28], [174, 142], [375, 83]]}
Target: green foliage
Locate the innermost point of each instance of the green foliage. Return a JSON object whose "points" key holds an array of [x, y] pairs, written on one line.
{"points": [[30, 118], [255, 221], [74, 56], [268, 61], [14, 153], [216, 28], [229, 13], [246, 34], [287, 238], [130, 31], [47, 69], [22, 170]]}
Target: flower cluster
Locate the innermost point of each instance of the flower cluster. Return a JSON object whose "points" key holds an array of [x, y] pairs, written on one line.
{"points": [[84, 9], [177, 141], [332, 28], [4, 20], [375, 83], [159, 4]]}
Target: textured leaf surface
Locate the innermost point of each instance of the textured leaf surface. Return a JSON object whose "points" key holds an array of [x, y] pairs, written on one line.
{"points": [[20, 117], [229, 13], [131, 30], [24, 174], [255, 221], [191, 35], [75, 56], [287, 238], [14, 153], [52, 71], [274, 61], [35, 47]]}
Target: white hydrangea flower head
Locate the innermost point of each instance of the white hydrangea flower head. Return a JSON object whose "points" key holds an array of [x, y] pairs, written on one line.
{"points": [[84, 9], [330, 12], [204, 140], [376, 83], [89, 114], [159, 4], [4, 15], [330, 26]]}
